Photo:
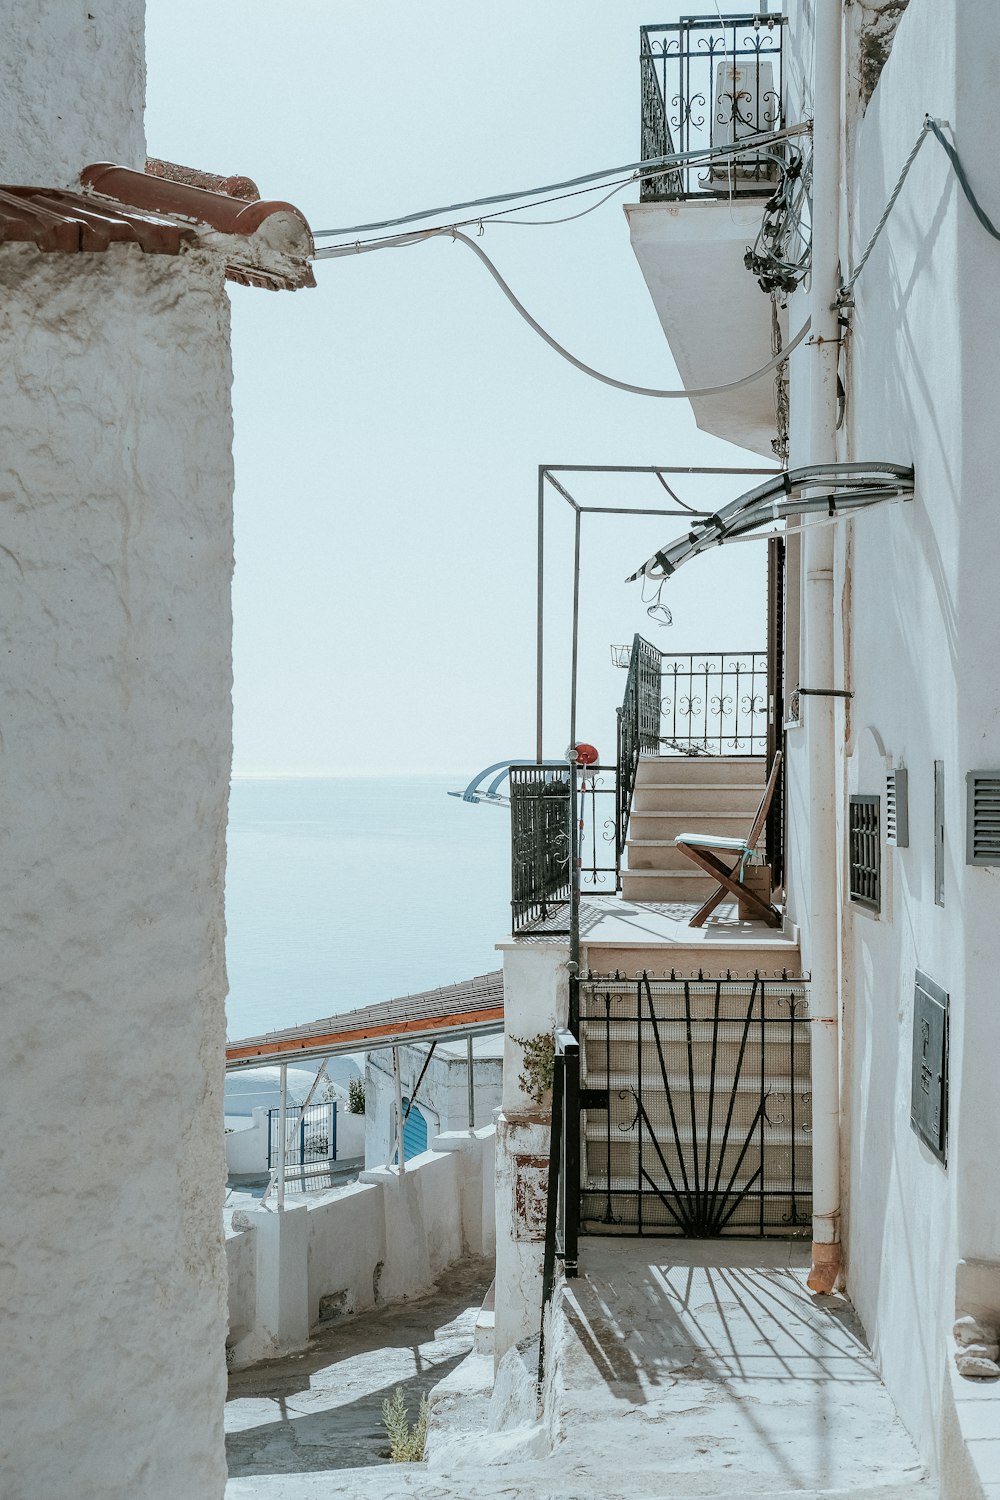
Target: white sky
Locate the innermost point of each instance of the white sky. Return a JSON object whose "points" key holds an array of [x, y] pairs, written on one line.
{"points": [[390, 423]]}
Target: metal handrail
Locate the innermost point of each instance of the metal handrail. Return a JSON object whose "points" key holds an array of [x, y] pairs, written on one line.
{"points": [[562, 1205]]}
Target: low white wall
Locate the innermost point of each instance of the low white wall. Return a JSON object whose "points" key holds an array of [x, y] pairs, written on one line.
{"points": [[379, 1240], [347, 1250], [241, 1268]]}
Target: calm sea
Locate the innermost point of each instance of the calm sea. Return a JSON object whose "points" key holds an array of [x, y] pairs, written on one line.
{"points": [[341, 891]]}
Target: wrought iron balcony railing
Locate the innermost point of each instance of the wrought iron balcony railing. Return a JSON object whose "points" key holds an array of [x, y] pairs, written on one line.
{"points": [[707, 82]]}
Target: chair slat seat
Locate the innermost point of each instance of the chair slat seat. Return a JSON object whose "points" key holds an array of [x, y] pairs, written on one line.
{"points": [[710, 841], [698, 848]]}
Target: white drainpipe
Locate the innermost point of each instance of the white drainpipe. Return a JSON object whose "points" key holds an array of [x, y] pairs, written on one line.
{"points": [[823, 924]]}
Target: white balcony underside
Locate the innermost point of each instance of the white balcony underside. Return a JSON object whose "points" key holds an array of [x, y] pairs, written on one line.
{"points": [[716, 318]]}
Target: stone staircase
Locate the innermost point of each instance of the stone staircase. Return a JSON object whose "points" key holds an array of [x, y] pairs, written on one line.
{"points": [[684, 794]]}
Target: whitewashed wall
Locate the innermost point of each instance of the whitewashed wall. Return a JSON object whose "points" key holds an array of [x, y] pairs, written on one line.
{"points": [[72, 88], [918, 641], [536, 999], [443, 1096], [383, 1239], [115, 629]]}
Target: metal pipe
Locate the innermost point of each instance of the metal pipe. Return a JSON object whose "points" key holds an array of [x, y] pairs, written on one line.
{"points": [[540, 617], [821, 931], [576, 627], [397, 1079], [472, 1086], [282, 1134]]}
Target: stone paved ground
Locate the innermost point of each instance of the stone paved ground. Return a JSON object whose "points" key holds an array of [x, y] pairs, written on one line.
{"points": [[322, 1410], [688, 1371]]}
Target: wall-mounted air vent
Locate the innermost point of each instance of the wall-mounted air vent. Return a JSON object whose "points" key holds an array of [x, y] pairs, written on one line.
{"points": [[897, 812], [982, 835]]}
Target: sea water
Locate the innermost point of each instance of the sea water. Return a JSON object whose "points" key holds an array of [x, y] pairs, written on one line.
{"points": [[342, 891]]}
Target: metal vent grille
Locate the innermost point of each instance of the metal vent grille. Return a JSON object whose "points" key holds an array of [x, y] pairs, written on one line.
{"points": [[864, 859], [897, 816], [983, 818]]}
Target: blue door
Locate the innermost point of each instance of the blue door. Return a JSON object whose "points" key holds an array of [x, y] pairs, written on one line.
{"points": [[414, 1132]]}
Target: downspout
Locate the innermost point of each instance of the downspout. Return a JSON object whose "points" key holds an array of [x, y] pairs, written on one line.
{"points": [[818, 656]]}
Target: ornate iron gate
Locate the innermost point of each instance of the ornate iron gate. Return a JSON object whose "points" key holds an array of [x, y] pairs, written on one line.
{"points": [[695, 1107]]}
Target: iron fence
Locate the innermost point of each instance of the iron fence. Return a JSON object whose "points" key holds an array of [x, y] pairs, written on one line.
{"points": [[714, 702], [310, 1135], [539, 841], [695, 1107], [638, 730], [540, 846], [710, 81]]}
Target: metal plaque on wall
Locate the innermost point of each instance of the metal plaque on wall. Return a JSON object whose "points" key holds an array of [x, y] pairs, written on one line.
{"points": [[929, 1089]]}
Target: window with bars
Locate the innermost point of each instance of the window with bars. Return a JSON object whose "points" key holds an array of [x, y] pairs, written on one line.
{"points": [[864, 855]]}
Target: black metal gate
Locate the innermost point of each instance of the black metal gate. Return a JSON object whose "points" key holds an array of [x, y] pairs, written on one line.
{"points": [[695, 1107]]}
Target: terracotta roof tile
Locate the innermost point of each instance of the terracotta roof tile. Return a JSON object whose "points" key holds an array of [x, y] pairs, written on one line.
{"points": [[268, 243], [471, 1003], [57, 220], [265, 244], [233, 187]]}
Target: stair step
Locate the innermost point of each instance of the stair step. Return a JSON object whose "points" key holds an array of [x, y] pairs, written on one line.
{"points": [[656, 854], [685, 961], [702, 769], [734, 799], [665, 885]]}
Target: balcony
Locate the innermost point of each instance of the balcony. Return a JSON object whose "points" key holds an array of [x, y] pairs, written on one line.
{"points": [[694, 744], [708, 83]]}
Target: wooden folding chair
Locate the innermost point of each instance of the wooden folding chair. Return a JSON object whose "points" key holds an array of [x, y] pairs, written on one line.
{"points": [[699, 846]]}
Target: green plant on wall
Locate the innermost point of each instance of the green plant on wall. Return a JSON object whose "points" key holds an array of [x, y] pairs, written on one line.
{"points": [[356, 1096], [536, 1075]]}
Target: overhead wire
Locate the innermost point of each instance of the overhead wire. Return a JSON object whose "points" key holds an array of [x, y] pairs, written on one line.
{"points": [[419, 236], [652, 166]]}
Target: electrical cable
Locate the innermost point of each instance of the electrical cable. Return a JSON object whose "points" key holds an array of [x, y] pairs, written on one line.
{"points": [[963, 180], [847, 287], [931, 126], [653, 166], [417, 237]]}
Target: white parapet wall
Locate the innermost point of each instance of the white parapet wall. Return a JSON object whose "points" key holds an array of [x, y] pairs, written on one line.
{"points": [[382, 1239]]}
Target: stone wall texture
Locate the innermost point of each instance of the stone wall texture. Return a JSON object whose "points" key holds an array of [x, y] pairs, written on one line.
{"points": [[72, 88], [115, 750]]}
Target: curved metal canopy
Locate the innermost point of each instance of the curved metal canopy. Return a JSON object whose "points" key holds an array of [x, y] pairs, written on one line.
{"points": [[835, 488]]}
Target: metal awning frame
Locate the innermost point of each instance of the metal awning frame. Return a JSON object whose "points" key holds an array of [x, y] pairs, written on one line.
{"points": [[550, 480]]}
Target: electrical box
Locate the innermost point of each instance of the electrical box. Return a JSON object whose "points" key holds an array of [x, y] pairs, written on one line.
{"points": [[929, 1085]]}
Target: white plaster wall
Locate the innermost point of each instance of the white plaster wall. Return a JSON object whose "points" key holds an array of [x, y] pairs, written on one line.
{"points": [[442, 1097], [241, 1270], [536, 999], [347, 1248], [72, 88], [115, 629], [898, 578], [383, 1239], [918, 638]]}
